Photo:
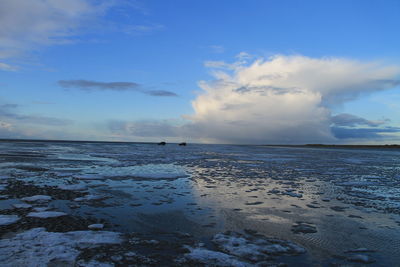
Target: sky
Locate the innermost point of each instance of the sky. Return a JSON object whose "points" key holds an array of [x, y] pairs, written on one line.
{"points": [[242, 72]]}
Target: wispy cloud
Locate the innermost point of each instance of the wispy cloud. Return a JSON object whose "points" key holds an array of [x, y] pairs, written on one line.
{"points": [[159, 93], [28, 25], [87, 85]]}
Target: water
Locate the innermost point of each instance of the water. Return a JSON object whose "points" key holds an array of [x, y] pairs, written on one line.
{"points": [[350, 196]]}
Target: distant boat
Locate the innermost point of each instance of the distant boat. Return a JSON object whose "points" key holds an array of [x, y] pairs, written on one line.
{"points": [[183, 144], [162, 143]]}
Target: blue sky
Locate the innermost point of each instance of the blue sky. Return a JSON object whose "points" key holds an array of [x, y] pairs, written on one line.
{"points": [[163, 50]]}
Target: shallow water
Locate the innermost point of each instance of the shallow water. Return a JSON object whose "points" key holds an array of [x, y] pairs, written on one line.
{"points": [[351, 197]]}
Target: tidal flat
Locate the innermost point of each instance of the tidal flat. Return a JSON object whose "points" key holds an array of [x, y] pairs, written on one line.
{"points": [[131, 204]]}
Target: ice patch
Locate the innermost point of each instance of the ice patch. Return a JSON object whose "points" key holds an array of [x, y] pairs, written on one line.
{"points": [[37, 247], [213, 258], [37, 198], [254, 248], [8, 219], [46, 214]]}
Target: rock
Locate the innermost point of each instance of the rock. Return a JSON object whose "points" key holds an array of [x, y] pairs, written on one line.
{"points": [[162, 144]]}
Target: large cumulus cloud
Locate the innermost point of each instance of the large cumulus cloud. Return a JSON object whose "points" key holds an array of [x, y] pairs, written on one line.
{"points": [[282, 99]]}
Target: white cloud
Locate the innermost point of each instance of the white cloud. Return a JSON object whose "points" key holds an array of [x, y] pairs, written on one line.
{"points": [[284, 99], [26, 24]]}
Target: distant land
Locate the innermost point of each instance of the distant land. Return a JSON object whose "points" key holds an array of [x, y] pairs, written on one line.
{"points": [[391, 146], [386, 146]]}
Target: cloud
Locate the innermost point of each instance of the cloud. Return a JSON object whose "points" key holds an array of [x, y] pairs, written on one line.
{"points": [[282, 99], [94, 85], [159, 93], [112, 86], [350, 120], [28, 25]]}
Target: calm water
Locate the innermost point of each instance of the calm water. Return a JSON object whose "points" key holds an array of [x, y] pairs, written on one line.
{"points": [[350, 197]]}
